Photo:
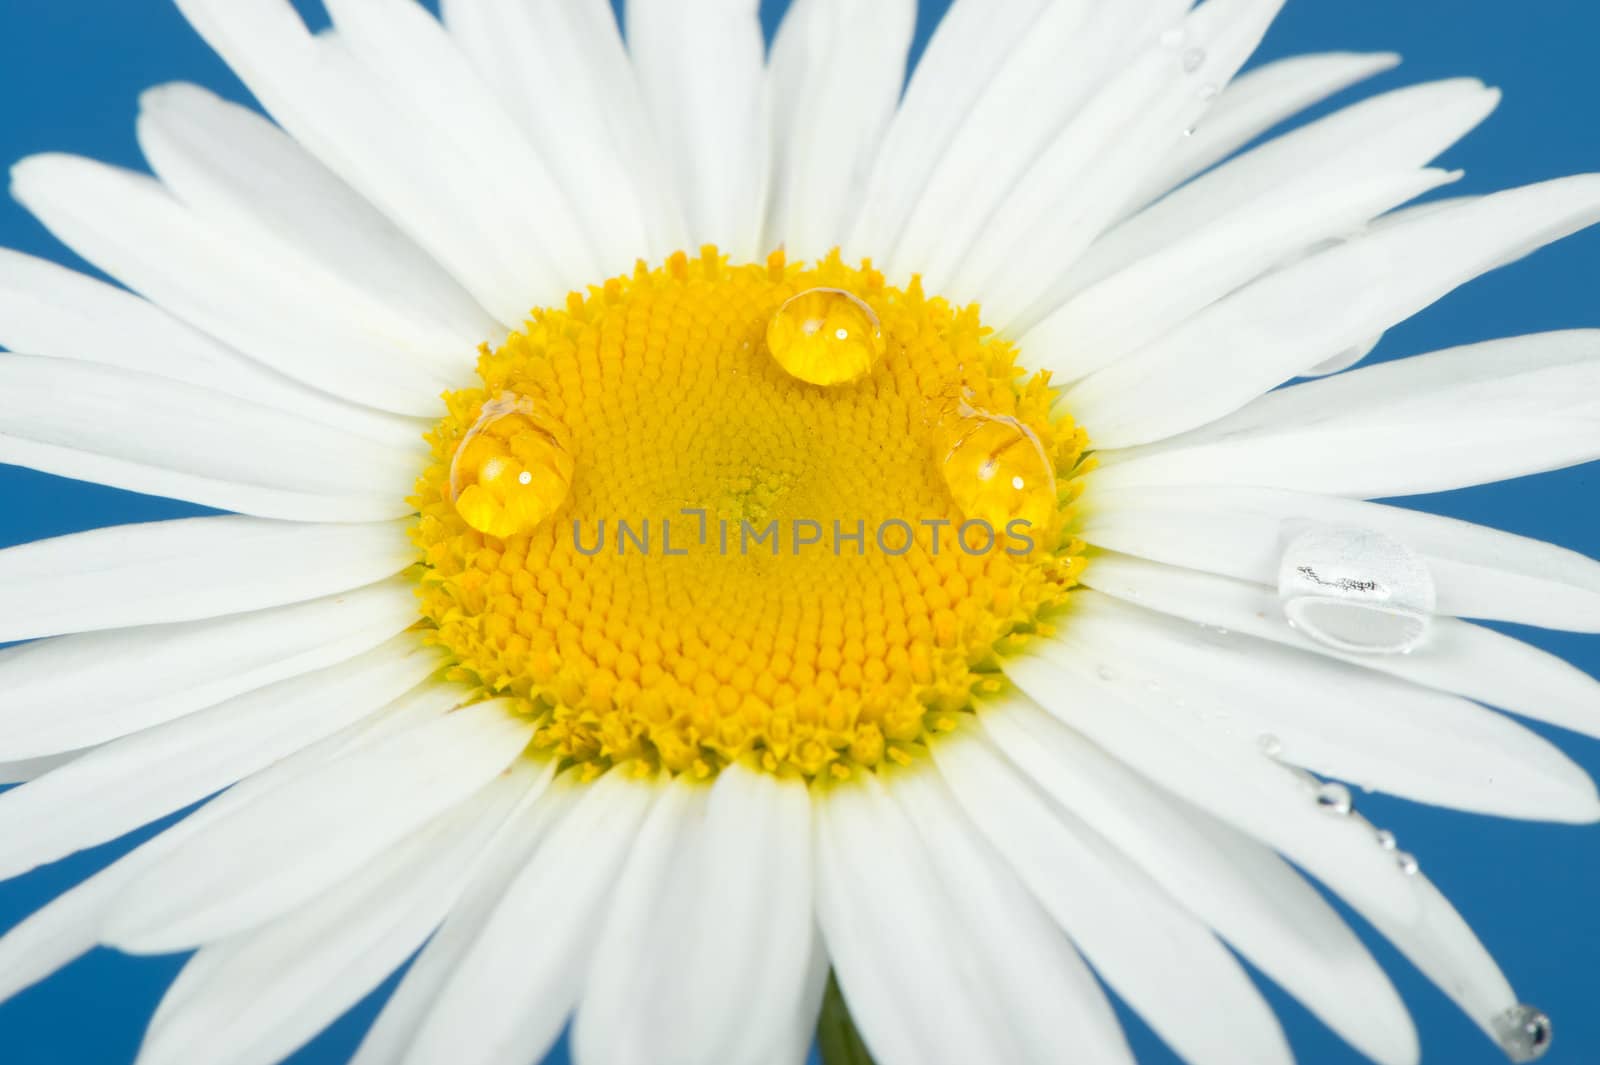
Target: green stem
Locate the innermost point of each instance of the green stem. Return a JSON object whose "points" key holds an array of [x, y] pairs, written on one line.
{"points": [[837, 1038]]}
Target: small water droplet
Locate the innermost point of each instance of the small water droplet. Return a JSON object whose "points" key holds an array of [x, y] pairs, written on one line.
{"points": [[1385, 839], [1524, 1032], [1271, 746], [1208, 91], [1191, 131], [1407, 862], [1193, 60], [1105, 672], [512, 470], [1345, 359], [826, 336], [1356, 590], [994, 465], [1335, 798]]}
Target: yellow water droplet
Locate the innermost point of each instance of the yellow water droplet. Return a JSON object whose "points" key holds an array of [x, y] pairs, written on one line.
{"points": [[512, 470], [826, 336], [995, 466]]}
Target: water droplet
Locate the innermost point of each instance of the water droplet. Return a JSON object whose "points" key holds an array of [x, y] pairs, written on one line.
{"points": [[1191, 131], [1208, 91], [1193, 60], [1524, 1032], [512, 470], [1345, 359], [1385, 839], [1356, 590], [997, 470], [1407, 862], [826, 336], [1105, 672], [1271, 746], [1335, 798]]}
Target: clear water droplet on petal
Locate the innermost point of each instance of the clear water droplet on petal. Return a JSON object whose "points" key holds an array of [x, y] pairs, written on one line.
{"points": [[1345, 359], [1335, 798], [1524, 1032], [826, 336], [1356, 590], [1407, 862], [1193, 60], [1386, 839], [1271, 746]]}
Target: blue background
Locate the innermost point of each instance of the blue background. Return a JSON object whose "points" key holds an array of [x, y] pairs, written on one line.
{"points": [[70, 74]]}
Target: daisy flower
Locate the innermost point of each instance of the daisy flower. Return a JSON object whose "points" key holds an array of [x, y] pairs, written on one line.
{"points": [[723, 539]]}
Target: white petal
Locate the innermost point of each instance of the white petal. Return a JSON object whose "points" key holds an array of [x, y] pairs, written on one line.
{"points": [[1400, 130], [133, 229], [33, 768], [1243, 891], [1140, 304], [1457, 657], [1256, 101], [704, 955], [392, 1033], [1441, 944], [513, 989], [1243, 346], [1398, 428], [187, 570], [272, 856], [392, 147], [46, 309], [1070, 53], [795, 1048], [597, 143], [700, 67], [71, 923], [834, 79], [1016, 265], [1042, 985], [1241, 531], [1343, 720], [969, 46], [1166, 965], [77, 691], [161, 437], [255, 999], [115, 788], [1246, 790], [884, 919], [248, 178], [416, 65]]}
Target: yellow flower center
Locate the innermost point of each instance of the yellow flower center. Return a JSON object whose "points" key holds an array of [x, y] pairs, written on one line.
{"points": [[690, 519]]}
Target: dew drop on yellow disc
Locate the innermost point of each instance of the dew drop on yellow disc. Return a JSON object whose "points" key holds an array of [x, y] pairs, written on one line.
{"points": [[512, 470], [826, 336], [995, 466]]}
